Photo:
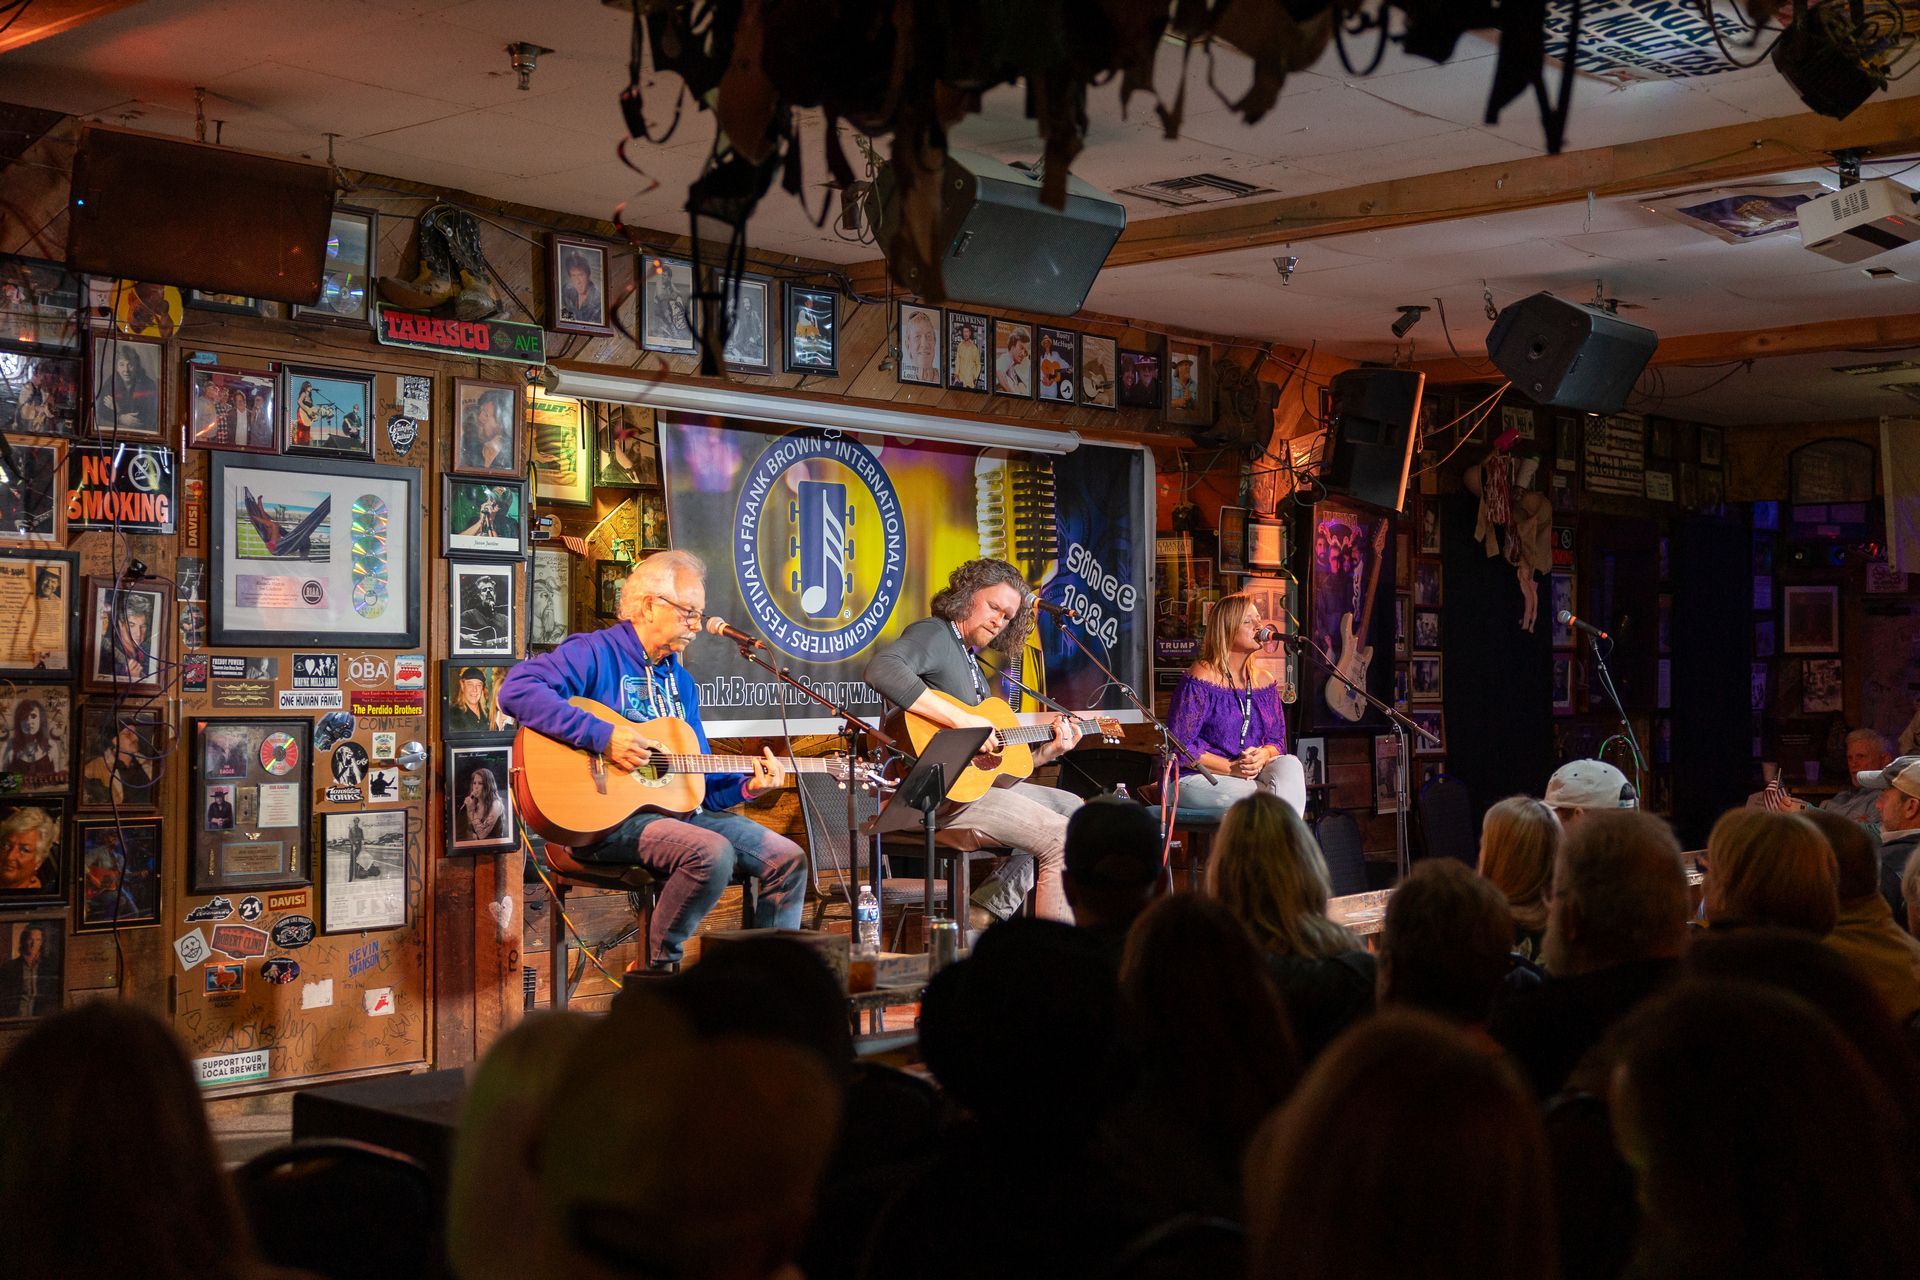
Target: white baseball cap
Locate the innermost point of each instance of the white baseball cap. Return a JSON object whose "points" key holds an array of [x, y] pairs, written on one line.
{"points": [[1903, 775], [1590, 784]]}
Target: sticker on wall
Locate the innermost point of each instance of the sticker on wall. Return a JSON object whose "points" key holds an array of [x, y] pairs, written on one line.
{"points": [[388, 702], [312, 699], [218, 909], [349, 761], [233, 1068], [412, 787], [402, 431], [243, 693], [194, 669], [224, 979], [287, 900], [293, 932], [280, 970], [191, 948], [378, 1002], [251, 908], [192, 526], [383, 744], [416, 396], [193, 623], [410, 671], [316, 670], [317, 995], [383, 786], [367, 670], [369, 556], [240, 941]]}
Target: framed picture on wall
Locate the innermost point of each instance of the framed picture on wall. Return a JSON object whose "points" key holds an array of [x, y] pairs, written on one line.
{"points": [[920, 346], [1426, 631], [626, 452], [251, 787], [1013, 358], [1811, 619], [1426, 679], [117, 880], [1351, 564], [1402, 629], [129, 635], [1434, 722], [666, 304], [38, 944], [326, 411], [128, 388], [749, 347], [1561, 681], [481, 599], [39, 614], [1233, 539], [967, 362], [651, 513], [812, 330], [480, 809], [1189, 385], [119, 753], [33, 510], [609, 580], [552, 607], [483, 519], [577, 285], [36, 740], [39, 391], [560, 450], [1313, 760], [364, 859], [1426, 583], [233, 408], [470, 700], [1560, 601], [1142, 379], [486, 425], [34, 872], [1386, 774], [1054, 354], [315, 553], [234, 304], [1820, 687], [40, 303], [346, 289], [1098, 365]]}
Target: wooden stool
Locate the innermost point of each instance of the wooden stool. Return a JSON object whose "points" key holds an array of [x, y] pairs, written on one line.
{"points": [[567, 872]]}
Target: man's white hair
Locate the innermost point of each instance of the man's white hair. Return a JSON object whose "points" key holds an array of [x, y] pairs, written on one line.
{"points": [[656, 576], [1874, 736]]}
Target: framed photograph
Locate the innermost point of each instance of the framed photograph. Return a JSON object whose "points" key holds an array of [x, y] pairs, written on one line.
{"points": [[651, 511], [1233, 539], [39, 392], [1312, 753], [36, 740], [486, 419], [1426, 679], [1709, 446], [236, 304], [251, 787], [561, 451], [129, 635], [1351, 610], [552, 609], [1426, 583], [1189, 385], [920, 346], [364, 856], [128, 388], [1013, 358], [1561, 600], [469, 700], [483, 519], [1402, 696], [40, 303], [346, 288], [33, 509], [967, 351], [1562, 684], [1426, 631], [39, 614], [1386, 774], [138, 309], [481, 598], [666, 304], [577, 285], [1099, 359], [117, 873], [327, 412], [626, 451], [1811, 619], [1430, 528], [32, 967], [480, 812], [1434, 722], [749, 347], [1820, 689], [1054, 354], [33, 862], [318, 553], [1142, 383], [120, 754], [1402, 629], [813, 330], [609, 580], [232, 408]]}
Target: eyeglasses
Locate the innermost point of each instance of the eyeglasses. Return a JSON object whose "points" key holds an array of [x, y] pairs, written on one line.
{"points": [[688, 614]]}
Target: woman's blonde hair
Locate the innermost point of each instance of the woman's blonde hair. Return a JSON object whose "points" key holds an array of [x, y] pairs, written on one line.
{"points": [[1267, 869], [1518, 840], [1223, 620], [1772, 869]]}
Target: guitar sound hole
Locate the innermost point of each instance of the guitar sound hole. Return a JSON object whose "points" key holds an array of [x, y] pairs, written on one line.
{"points": [[653, 771]]}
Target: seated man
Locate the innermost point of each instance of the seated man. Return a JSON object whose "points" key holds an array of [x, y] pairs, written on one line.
{"points": [[1113, 868], [1896, 788], [1582, 786], [1885, 953], [1867, 752], [634, 667]]}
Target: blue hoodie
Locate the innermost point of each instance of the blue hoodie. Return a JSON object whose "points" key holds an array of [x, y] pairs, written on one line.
{"points": [[609, 666]]}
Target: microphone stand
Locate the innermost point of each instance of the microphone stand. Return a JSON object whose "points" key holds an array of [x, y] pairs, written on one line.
{"points": [[1626, 724], [1402, 726]]}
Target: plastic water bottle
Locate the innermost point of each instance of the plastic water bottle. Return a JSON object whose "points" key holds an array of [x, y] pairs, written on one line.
{"points": [[866, 917], [1120, 791]]}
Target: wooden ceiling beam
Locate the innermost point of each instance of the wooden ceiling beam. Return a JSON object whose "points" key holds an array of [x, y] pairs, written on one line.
{"points": [[1733, 153]]}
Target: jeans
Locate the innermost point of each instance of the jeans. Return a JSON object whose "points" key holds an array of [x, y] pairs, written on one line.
{"points": [[698, 856], [1032, 820], [1282, 777]]}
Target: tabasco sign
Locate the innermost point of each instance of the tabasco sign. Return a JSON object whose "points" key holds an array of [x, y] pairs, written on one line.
{"points": [[486, 339]]}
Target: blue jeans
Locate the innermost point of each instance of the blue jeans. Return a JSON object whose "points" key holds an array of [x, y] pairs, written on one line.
{"points": [[699, 856]]}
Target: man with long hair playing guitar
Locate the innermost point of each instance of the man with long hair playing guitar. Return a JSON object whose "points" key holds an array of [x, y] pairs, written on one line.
{"points": [[634, 667]]}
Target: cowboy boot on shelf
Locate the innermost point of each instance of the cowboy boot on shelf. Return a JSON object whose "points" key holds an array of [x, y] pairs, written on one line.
{"points": [[477, 299], [433, 285]]}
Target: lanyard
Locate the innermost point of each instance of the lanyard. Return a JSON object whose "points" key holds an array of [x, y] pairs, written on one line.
{"points": [[973, 665], [653, 697], [1245, 698]]}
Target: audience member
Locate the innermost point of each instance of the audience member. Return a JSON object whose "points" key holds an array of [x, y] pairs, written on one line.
{"points": [[1760, 1141], [1897, 788], [1769, 868], [1581, 787], [1446, 944], [1886, 955], [1518, 838], [1267, 870], [1113, 868], [1408, 1150], [1909, 892], [774, 988], [1868, 751], [1615, 934], [106, 1164]]}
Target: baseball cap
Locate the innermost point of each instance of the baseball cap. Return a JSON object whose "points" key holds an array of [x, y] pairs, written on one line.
{"points": [[1903, 773], [1590, 784]]}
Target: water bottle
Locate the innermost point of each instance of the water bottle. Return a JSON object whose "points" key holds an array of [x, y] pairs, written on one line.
{"points": [[866, 918], [1120, 791]]}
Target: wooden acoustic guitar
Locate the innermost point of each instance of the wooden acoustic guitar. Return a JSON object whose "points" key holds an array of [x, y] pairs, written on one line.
{"points": [[1016, 762], [1355, 658], [575, 797]]}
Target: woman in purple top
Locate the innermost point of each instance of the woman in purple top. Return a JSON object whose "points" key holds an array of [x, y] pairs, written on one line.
{"points": [[1228, 714]]}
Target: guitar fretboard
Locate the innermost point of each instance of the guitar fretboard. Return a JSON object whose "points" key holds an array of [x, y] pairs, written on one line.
{"points": [[1031, 733], [738, 764]]}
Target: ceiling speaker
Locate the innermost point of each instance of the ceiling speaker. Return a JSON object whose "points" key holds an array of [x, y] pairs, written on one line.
{"points": [[1567, 355], [1370, 434]]}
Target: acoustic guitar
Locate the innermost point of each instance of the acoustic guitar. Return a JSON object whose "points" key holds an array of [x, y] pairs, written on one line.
{"points": [[575, 797], [1354, 658], [1015, 762]]}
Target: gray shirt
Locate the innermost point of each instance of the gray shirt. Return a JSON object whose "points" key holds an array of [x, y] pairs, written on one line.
{"points": [[927, 655]]}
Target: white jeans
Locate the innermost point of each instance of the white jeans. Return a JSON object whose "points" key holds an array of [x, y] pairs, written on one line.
{"points": [[1032, 820], [1282, 777]]}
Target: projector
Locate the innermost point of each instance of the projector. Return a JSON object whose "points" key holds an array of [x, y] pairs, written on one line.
{"points": [[1860, 222]]}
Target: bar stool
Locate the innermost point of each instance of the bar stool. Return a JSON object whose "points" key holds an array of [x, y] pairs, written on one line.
{"points": [[566, 872]]}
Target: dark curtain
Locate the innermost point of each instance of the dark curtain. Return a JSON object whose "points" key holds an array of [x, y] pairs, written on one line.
{"points": [[1712, 651], [1495, 678]]}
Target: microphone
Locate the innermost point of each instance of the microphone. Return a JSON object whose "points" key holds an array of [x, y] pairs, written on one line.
{"points": [[717, 626], [1566, 619], [1057, 610], [1271, 634], [1266, 635]]}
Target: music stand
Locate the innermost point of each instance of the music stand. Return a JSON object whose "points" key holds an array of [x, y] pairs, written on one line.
{"points": [[920, 793]]}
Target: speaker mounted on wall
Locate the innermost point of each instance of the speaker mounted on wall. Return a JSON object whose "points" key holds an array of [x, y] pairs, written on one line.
{"points": [[167, 211], [1371, 417], [1567, 355]]}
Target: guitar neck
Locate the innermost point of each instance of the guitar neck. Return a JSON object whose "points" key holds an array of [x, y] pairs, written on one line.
{"points": [[1373, 590], [1027, 734], [740, 764]]}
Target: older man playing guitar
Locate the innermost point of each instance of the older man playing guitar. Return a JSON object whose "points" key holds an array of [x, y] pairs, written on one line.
{"points": [[929, 672], [643, 718]]}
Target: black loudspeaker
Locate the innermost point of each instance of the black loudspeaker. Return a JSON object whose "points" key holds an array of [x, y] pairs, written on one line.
{"points": [[1370, 434], [1569, 356], [1004, 248], [166, 211]]}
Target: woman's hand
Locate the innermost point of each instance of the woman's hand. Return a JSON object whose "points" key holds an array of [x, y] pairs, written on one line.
{"points": [[1250, 762]]}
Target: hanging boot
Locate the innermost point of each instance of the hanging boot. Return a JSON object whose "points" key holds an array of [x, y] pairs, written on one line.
{"points": [[433, 284], [477, 299]]}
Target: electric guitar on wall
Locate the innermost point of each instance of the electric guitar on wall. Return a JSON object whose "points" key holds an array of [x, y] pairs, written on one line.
{"points": [[1015, 762], [575, 797], [1354, 658]]}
